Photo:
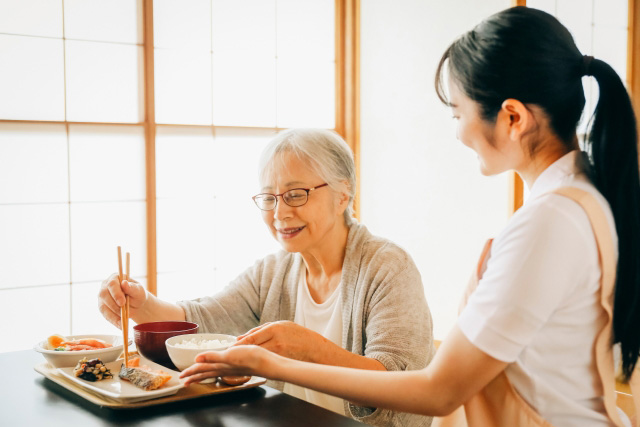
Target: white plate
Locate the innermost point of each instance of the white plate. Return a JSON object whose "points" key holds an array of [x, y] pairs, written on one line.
{"points": [[63, 359], [122, 390]]}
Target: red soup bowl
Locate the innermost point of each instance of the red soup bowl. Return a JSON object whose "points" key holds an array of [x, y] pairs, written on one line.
{"points": [[150, 338]]}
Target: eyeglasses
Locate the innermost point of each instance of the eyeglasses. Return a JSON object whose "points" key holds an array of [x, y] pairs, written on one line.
{"points": [[295, 197]]}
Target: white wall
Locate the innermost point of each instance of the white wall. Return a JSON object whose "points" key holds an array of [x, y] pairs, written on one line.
{"points": [[420, 186]]}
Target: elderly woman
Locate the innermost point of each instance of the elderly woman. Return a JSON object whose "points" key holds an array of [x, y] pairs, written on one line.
{"points": [[336, 295]]}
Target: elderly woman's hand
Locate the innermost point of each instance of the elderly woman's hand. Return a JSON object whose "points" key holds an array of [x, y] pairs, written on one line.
{"points": [[287, 339], [235, 361], [112, 297]]}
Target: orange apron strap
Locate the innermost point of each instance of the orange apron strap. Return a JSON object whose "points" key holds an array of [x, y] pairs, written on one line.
{"points": [[604, 340], [635, 392]]}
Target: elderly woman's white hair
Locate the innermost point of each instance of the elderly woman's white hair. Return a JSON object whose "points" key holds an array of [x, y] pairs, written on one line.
{"points": [[325, 151]]}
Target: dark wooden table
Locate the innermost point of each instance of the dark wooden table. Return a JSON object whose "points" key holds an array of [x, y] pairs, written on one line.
{"points": [[29, 399]]}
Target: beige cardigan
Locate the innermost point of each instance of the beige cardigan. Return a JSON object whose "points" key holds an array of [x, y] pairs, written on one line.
{"points": [[384, 312]]}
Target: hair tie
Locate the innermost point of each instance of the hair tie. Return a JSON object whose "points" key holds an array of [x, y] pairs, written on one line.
{"points": [[586, 65]]}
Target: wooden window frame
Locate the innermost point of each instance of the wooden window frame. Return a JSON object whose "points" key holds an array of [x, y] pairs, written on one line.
{"points": [[150, 145], [348, 81], [347, 124], [347, 33]]}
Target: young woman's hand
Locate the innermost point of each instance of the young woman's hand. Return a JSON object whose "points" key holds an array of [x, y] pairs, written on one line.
{"points": [[287, 339], [244, 360]]}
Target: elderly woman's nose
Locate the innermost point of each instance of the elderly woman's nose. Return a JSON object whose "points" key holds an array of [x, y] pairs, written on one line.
{"points": [[282, 210]]}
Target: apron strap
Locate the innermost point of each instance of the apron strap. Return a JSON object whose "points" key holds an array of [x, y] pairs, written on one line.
{"points": [[604, 340], [634, 383]]}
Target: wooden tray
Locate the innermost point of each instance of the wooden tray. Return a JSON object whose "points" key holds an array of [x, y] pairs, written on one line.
{"points": [[191, 392]]}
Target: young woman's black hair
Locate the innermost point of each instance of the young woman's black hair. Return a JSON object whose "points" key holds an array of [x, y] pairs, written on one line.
{"points": [[526, 54]]}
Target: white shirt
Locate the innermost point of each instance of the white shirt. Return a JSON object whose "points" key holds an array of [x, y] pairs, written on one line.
{"points": [[537, 305], [325, 319]]}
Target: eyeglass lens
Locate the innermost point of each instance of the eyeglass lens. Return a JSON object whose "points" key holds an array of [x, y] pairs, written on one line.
{"points": [[294, 198]]}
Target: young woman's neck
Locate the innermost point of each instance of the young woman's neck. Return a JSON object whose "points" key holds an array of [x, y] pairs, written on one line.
{"points": [[531, 167]]}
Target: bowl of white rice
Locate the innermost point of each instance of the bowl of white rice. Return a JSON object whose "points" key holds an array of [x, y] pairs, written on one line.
{"points": [[183, 349]]}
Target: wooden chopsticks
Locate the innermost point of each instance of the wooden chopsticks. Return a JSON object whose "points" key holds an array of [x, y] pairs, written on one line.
{"points": [[124, 311]]}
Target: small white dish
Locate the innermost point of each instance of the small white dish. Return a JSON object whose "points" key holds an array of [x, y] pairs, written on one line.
{"points": [[62, 359], [185, 357], [123, 391]]}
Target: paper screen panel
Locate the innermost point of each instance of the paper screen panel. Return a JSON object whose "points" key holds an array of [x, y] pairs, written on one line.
{"points": [[306, 30], [245, 27], [31, 78], [97, 229], [33, 163], [306, 94], [107, 163], [103, 82], [244, 90], [614, 13], [35, 245], [577, 16], [548, 6], [185, 25], [31, 18], [185, 234], [183, 87], [610, 45], [107, 21], [184, 162], [49, 313]]}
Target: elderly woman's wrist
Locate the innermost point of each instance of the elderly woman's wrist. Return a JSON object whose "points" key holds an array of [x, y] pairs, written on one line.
{"points": [[155, 310]]}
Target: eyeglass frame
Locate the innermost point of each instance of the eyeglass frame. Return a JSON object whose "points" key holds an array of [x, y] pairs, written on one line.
{"points": [[308, 190]]}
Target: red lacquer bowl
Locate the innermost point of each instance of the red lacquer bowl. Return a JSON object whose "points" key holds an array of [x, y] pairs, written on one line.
{"points": [[150, 338]]}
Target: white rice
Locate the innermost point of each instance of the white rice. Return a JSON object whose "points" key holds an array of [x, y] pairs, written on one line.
{"points": [[200, 343]]}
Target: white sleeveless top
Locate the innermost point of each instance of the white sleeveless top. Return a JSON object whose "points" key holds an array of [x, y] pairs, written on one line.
{"points": [[325, 319]]}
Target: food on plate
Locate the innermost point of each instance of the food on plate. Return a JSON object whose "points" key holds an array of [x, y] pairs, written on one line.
{"points": [[229, 380], [204, 344], [92, 370], [143, 376], [61, 343]]}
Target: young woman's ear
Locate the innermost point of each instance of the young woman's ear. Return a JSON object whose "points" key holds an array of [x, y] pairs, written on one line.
{"points": [[517, 118]]}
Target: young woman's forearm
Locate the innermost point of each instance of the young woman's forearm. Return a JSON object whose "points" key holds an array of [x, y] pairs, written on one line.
{"points": [[408, 391], [458, 371]]}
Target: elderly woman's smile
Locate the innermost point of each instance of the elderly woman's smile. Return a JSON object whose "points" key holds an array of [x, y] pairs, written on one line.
{"points": [[289, 233]]}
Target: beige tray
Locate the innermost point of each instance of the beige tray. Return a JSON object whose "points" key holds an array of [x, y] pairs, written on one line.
{"points": [[191, 392]]}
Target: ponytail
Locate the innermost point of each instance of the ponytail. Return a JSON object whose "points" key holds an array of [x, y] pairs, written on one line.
{"points": [[613, 147]]}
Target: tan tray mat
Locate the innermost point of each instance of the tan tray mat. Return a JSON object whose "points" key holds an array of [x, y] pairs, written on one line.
{"points": [[191, 392]]}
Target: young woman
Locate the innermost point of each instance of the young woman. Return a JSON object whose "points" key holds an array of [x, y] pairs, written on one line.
{"points": [[335, 295], [533, 344]]}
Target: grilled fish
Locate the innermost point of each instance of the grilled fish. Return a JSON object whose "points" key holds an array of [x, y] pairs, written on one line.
{"points": [[143, 376]]}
